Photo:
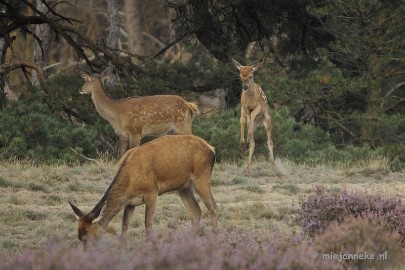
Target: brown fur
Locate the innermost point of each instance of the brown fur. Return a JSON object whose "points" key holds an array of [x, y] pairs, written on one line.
{"points": [[134, 118], [254, 110], [170, 163]]}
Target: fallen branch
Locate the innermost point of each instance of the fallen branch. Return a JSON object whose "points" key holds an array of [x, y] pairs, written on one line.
{"points": [[83, 156]]}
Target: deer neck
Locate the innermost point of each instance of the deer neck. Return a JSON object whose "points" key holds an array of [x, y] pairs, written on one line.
{"points": [[103, 222], [105, 106]]}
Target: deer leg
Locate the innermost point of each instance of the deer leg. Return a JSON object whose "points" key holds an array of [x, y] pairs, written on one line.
{"points": [[128, 211], [189, 201], [252, 122], [267, 125], [242, 128], [150, 208], [123, 145], [111, 210], [184, 128], [134, 140], [251, 151], [203, 188]]}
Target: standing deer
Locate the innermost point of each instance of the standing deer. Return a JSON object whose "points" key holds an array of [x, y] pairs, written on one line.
{"points": [[133, 118], [168, 163], [254, 109]]}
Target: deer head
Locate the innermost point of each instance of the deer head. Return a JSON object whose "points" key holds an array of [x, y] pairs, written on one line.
{"points": [[246, 73], [92, 79], [89, 229]]}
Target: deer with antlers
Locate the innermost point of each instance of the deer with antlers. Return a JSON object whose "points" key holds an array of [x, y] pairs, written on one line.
{"points": [[181, 163], [254, 110], [133, 118]]}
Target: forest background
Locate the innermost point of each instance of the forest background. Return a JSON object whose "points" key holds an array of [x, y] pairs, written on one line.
{"points": [[333, 72]]}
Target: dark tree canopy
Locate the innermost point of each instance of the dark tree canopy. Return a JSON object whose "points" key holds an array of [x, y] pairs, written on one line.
{"points": [[226, 28]]}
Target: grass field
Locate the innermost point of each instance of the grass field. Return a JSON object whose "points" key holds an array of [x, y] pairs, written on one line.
{"points": [[34, 199]]}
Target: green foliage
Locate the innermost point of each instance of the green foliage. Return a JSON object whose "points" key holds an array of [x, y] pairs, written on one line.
{"points": [[298, 87], [200, 74], [30, 130], [222, 132], [302, 143], [45, 128], [340, 105]]}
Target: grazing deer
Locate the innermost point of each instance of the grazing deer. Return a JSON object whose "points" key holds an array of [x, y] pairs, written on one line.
{"points": [[254, 109], [168, 163], [133, 118]]}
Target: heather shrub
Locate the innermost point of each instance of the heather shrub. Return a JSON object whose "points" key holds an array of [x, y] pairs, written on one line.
{"points": [[368, 237], [322, 208], [174, 250]]}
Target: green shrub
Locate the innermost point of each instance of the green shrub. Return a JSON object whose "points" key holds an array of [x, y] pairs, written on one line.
{"points": [[42, 128], [302, 143], [30, 130], [222, 132]]}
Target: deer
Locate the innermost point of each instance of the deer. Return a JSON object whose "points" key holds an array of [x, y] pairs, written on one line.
{"points": [[135, 117], [181, 163], [254, 110]]}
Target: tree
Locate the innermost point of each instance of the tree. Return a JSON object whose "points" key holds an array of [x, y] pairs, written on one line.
{"points": [[226, 28], [42, 44], [281, 31], [114, 29], [113, 33], [134, 26], [368, 47]]}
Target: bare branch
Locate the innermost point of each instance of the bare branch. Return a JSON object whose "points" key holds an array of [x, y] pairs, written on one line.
{"points": [[340, 125], [168, 46], [398, 85], [6, 68]]}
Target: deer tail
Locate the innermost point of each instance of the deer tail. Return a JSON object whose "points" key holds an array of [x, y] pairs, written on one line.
{"points": [[193, 108]]}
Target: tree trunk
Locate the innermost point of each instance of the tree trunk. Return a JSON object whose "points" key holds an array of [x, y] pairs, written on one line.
{"points": [[114, 32], [134, 26], [374, 110], [43, 32], [2, 78]]}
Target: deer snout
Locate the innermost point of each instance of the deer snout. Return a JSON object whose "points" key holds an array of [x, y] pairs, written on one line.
{"points": [[246, 84]]}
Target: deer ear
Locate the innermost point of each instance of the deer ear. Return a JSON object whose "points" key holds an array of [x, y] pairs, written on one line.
{"points": [[77, 211], [95, 213], [256, 67], [83, 73], [236, 63], [107, 72]]}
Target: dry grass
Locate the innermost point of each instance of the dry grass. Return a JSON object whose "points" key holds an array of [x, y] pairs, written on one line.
{"points": [[33, 199]]}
